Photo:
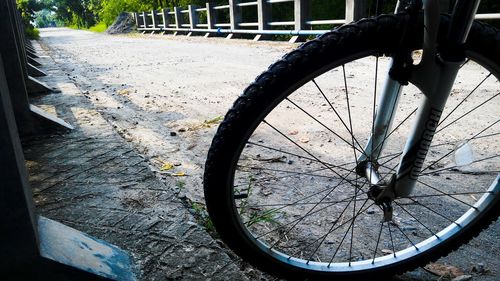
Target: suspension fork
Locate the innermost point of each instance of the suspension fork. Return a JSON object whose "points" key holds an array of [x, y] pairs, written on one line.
{"points": [[434, 76]]}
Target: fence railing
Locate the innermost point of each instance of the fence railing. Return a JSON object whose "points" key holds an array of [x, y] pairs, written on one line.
{"points": [[175, 20], [167, 20]]}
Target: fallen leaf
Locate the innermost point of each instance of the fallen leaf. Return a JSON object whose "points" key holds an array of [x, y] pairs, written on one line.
{"points": [[179, 174], [387, 251], [304, 139], [215, 120], [462, 278], [166, 166], [293, 132], [444, 270], [124, 92], [272, 159], [479, 268]]}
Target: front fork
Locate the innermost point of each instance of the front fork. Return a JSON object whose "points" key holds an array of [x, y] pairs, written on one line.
{"points": [[434, 76]]}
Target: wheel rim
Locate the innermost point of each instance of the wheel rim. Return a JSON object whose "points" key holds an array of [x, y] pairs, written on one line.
{"points": [[261, 179]]}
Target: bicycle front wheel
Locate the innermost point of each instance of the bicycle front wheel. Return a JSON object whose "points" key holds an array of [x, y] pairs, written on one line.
{"points": [[280, 180]]}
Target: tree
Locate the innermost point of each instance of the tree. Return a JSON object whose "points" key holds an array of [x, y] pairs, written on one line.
{"points": [[27, 8]]}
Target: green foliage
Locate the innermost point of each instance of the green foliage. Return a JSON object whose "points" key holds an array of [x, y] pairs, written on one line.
{"points": [[82, 14], [200, 212], [31, 32], [27, 9], [100, 27], [46, 18]]}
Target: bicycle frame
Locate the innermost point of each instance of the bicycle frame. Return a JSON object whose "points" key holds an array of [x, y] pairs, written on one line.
{"points": [[434, 76]]}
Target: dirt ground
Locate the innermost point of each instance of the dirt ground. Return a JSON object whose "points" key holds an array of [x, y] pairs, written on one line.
{"points": [[166, 95]]}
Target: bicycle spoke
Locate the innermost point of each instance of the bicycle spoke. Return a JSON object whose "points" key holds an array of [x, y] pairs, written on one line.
{"points": [[428, 208], [353, 224], [362, 210], [355, 157], [281, 177], [306, 203], [323, 125], [443, 193], [340, 166], [308, 213], [451, 151], [454, 167], [392, 241], [394, 130], [458, 105], [446, 194], [417, 220], [301, 218], [296, 155], [338, 115], [390, 171], [310, 196], [397, 154], [457, 142], [378, 240], [286, 171], [407, 238], [349, 112], [260, 181], [465, 114], [305, 150], [343, 238], [330, 230]]}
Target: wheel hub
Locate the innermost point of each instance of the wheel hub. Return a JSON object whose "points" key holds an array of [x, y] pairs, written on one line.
{"points": [[381, 192]]}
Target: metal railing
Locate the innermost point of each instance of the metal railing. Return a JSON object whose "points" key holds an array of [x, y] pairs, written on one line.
{"points": [[172, 20], [167, 20]]}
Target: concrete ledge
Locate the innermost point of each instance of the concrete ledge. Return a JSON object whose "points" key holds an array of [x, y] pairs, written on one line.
{"points": [[32, 61], [49, 121], [34, 71], [68, 246], [31, 53], [34, 86]]}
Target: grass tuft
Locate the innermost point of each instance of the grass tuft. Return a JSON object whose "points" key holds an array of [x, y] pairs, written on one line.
{"points": [[100, 27]]}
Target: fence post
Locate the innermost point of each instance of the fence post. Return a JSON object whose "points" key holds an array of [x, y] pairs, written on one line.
{"points": [[211, 18], [154, 21], [193, 18], [145, 21], [302, 12], [355, 10], [178, 19], [166, 19], [234, 16], [264, 15], [136, 17]]}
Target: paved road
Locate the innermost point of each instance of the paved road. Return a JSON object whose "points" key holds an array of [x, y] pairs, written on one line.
{"points": [[149, 97], [93, 180]]}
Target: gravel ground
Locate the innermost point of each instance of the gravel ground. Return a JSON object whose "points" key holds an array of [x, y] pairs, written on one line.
{"points": [[165, 95]]}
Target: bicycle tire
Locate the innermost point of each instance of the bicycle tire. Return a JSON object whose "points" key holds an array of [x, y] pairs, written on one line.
{"points": [[366, 37]]}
